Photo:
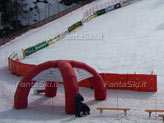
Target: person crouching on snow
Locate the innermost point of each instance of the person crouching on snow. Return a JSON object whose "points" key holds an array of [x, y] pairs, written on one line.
{"points": [[84, 109], [78, 100]]}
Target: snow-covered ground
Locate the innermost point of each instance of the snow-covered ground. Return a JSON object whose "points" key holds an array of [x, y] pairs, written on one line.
{"points": [[131, 40]]}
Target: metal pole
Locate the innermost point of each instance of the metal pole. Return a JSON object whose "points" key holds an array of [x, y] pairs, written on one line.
{"points": [[16, 17], [28, 18], [39, 16], [45, 11], [155, 108], [58, 9], [0, 18], [11, 11], [52, 106], [48, 10], [66, 8], [2, 90], [117, 106]]}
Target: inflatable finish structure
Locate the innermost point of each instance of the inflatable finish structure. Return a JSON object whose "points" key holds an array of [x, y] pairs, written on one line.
{"points": [[68, 72]]}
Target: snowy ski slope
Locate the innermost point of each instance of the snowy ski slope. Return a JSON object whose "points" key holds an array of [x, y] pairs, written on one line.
{"points": [[132, 42]]}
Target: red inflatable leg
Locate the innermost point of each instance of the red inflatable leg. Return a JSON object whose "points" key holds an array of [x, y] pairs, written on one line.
{"points": [[51, 89], [70, 85]]}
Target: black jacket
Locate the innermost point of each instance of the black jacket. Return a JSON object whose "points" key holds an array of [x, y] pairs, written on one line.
{"points": [[78, 99]]}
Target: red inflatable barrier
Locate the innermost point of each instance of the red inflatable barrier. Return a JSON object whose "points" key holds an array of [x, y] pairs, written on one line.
{"points": [[135, 82], [85, 83]]}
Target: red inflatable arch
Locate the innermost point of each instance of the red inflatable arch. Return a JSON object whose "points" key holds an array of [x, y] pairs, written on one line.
{"points": [[69, 77]]}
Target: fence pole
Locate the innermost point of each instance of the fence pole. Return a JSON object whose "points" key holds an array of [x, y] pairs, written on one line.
{"points": [[117, 106], [45, 12], [155, 108], [58, 7], [16, 17], [28, 18], [52, 106], [58, 10], [48, 10], [39, 17]]}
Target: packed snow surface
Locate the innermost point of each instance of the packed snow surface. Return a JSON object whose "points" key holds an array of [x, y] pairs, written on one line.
{"points": [[126, 40]]}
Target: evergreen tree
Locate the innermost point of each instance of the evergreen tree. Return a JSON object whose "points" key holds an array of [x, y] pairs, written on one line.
{"points": [[11, 11]]}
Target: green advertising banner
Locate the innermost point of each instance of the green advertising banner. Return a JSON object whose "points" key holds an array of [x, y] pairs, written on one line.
{"points": [[14, 56], [74, 26], [35, 48], [100, 12], [92, 16], [56, 38]]}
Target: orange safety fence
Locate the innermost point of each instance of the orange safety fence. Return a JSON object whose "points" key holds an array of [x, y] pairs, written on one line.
{"points": [[115, 81], [135, 82], [19, 68]]}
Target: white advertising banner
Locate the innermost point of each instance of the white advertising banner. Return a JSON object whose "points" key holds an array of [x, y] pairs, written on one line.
{"points": [[51, 74], [82, 74], [54, 75]]}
